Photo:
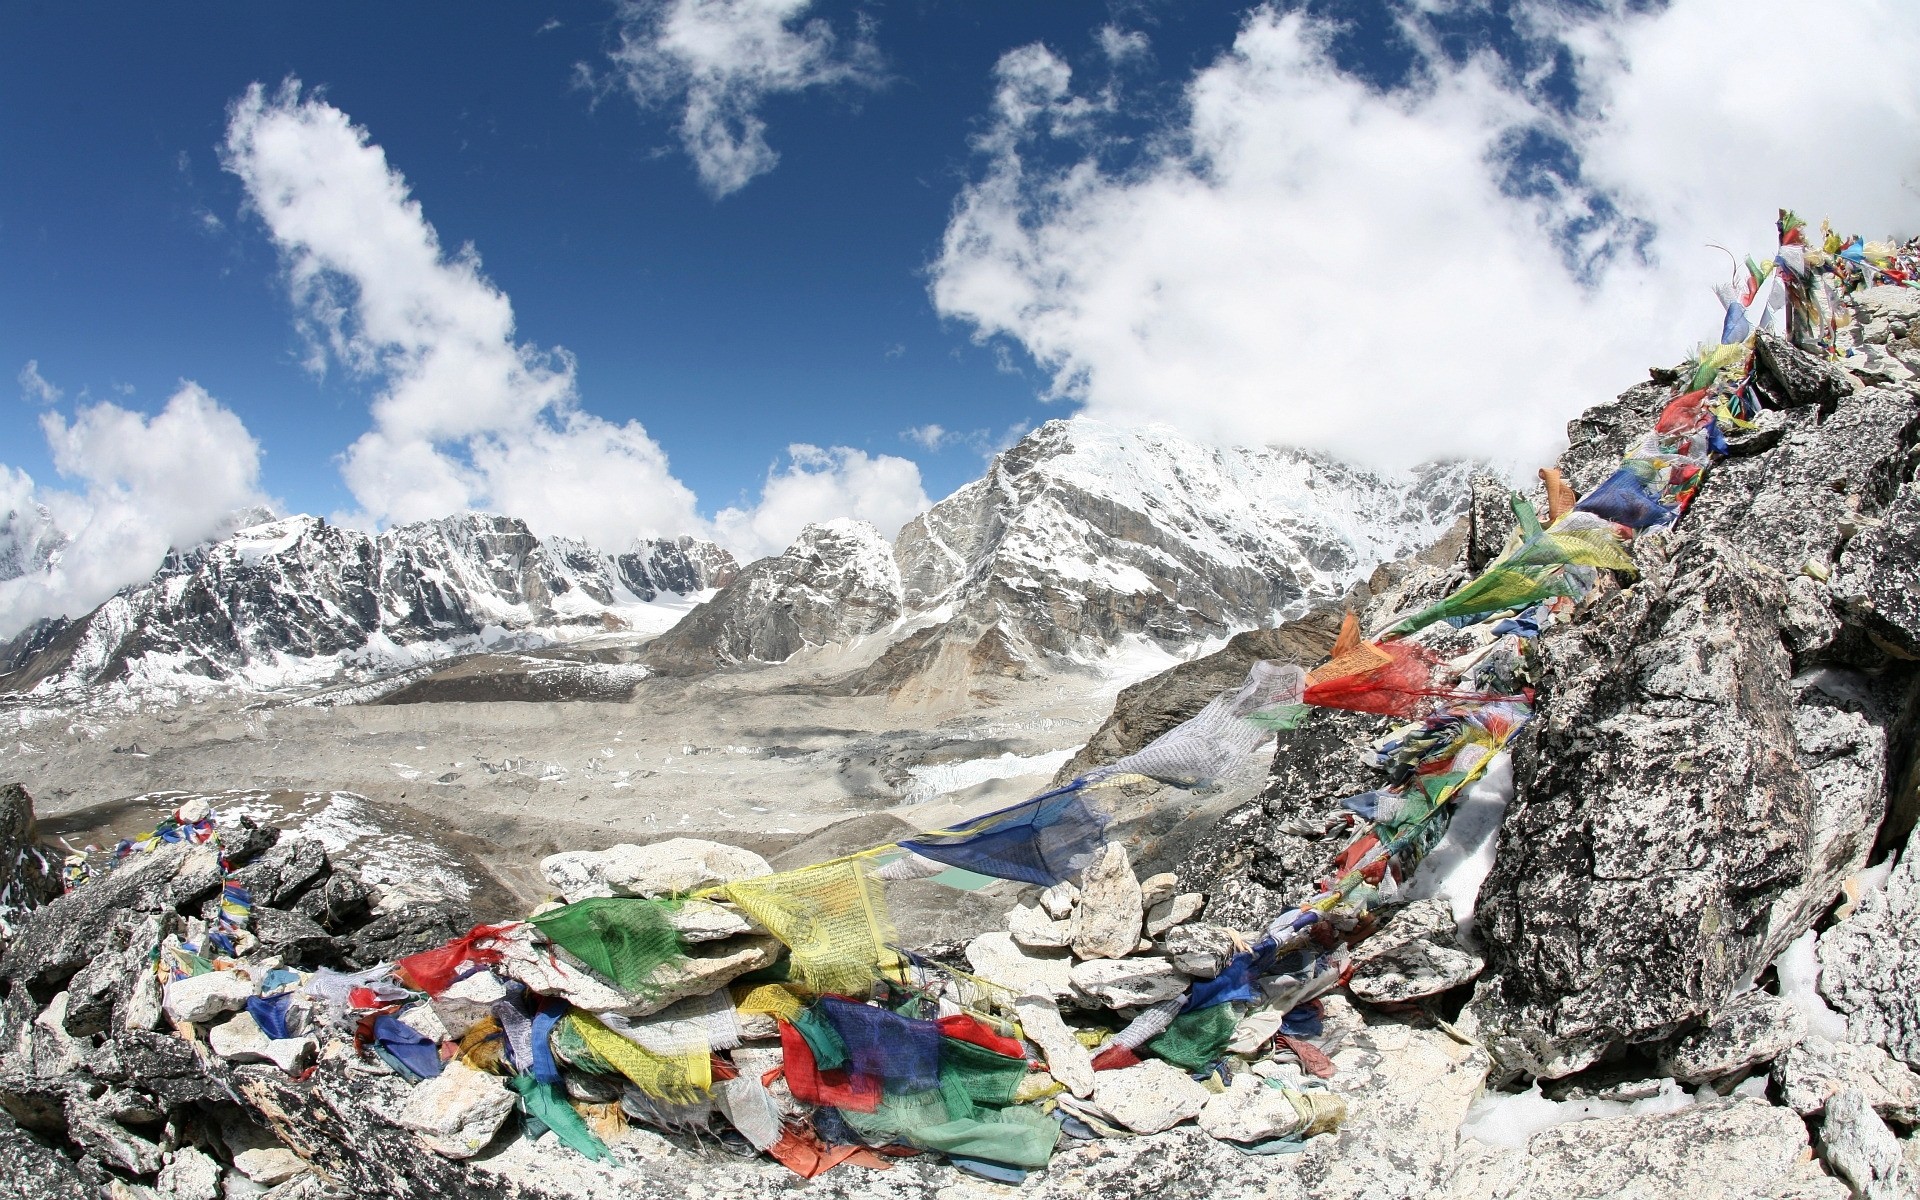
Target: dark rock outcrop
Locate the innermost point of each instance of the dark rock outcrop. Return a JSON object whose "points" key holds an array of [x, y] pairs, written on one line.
{"points": [[836, 582], [29, 872]]}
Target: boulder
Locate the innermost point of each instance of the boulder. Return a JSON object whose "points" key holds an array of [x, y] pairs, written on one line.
{"points": [[189, 1175], [706, 921], [199, 998], [998, 957], [1058, 900], [457, 1112], [1175, 910], [1754, 1030], [1814, 1071], [1202, 951], [1680, 815], [269, 1165], [1724, 1148], [239, 1039], [1861, 1149], [676, 865], [30, 1170], [292, 936], [408, 929], [110, 983], [1129, 982], [55, 941], [1067, 1060], [1252, 1110], [1150, 1097], [1416, 952], [1870, 963], [1157, 889], [1106, 921], [278, 877], [29, 873], [1033, 928], [91, 1127]]}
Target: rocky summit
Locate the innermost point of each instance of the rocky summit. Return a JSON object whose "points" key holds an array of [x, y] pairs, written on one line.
{"points": [[1664, 944]]}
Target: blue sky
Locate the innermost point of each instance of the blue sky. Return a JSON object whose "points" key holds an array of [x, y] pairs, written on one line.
{"points": [[750, 247], [794, 310]]}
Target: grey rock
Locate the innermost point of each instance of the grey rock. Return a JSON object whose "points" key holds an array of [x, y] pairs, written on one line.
{"points": [[408, 929], [92, 1128], [836, 581], [1251, 1111], [282, 873], [1752, 1031], [1199, 950], [30, 1170], [1870, 963], [269, 1165], [109, 983], [1176, 910], [1874, 583], [247, 840], [1150, 1097], [1792, 378], [1678, 819], [1106, 921], [240, 1039], [291, 935], [1861, 1149], [1416, 952], [1724, 1148], [341, 901], [706, 921], [1816, 1070], [1129, 982], [29, 873], [55, 941]]}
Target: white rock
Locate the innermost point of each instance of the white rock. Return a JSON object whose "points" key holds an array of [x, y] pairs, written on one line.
{"points": [[1252, 1111], [204, 997], [1158, 889], [663, 868], [997, 957], [1034, 928], [1128, 982], [551, 972], [1817, 1069], [423, 1020], [706, 921], [1058, 900], [143, 1008], [1861, 1149], [1067, 1060], [1148, 1098], [189, 1175], [1177, 910], [1106, 921], [458, 1111], [240, 1039], [468, 1002], [269, 1165]]}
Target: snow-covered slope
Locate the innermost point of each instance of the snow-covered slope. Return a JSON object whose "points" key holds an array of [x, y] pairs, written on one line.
{"points": [[836, 582], [1084, 534], [295, 601]]}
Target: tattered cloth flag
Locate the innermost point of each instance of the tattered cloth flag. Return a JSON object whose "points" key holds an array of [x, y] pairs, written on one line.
{"points": [[625, 939], [1041, 840], [833, 918]]}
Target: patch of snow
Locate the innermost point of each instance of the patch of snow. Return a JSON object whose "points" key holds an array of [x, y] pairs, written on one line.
{"points": [[942, 779], [1798, 970], [1458, 865], [1510, 1119]]}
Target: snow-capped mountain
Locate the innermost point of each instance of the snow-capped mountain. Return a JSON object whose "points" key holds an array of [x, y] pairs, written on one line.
{"points": [[294, 600], [836, 582], [1085, 533], [29, 541]]}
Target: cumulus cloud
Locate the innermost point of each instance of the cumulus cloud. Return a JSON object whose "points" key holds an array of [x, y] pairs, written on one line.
{"points": [[719, 61], [1304, 257], [817, 484], [465, 416], [144, 485], [34, 387]]}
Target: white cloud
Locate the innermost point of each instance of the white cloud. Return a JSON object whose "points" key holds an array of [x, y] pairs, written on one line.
{"points": [[1303, 258], [465, 416], [34, 387], [930, 437], [147, 484], [817, 485], [719, 60]]}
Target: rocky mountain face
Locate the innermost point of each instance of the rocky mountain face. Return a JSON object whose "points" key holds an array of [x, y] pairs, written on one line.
{"points": [[29, 541], [836, 582], [293, 600], [1084, 534]]}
